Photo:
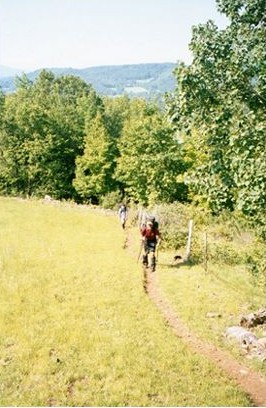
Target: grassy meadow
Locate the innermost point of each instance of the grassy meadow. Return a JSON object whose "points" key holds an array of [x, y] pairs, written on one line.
{"points": [[225, 292], [76, 328]]}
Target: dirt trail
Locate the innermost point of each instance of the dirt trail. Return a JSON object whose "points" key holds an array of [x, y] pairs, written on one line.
{"points": [[251, 382], [248, 380]]}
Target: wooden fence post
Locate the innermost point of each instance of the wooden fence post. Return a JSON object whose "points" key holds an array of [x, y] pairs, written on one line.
{"points": [[206, 252], [140, 216], [189, 240]]}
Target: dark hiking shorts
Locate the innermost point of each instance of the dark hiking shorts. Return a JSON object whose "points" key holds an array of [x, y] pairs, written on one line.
{"points": [[150, 246]]}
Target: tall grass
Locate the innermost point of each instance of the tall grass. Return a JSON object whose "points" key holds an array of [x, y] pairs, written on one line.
{"points": [[76, 328]]}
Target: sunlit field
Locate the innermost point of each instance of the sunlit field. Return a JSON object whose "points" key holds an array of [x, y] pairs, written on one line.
{"points": [[76, 327], [226, 292]]}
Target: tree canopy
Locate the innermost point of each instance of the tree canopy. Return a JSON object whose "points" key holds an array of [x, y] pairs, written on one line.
{"points": [[221, 96], [43, 131]]}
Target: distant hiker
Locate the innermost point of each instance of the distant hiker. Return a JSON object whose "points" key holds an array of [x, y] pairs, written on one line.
{"points": [[122, 214], [151, 238]]}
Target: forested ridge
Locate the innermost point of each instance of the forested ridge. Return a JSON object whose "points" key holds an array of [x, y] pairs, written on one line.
{"points": [[206, 145], [146, 80]]}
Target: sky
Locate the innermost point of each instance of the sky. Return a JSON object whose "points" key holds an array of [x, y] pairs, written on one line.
{"points": [[84, 33]]}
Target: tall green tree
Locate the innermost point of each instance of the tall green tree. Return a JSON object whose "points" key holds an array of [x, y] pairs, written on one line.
{"points": [[222, 97], [116, 113], [150, 158], [94, 167], [44, 129], [14, 139]]}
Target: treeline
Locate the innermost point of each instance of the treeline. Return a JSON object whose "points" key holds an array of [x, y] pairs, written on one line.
{"points": [[207, 145], [58, 137]]}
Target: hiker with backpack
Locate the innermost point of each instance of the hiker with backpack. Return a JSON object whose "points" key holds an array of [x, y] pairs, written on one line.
{"points": [[122, 214], [151, 238]]}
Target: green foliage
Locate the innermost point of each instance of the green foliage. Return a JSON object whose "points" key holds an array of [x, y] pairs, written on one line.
{"points": [[116, 111], [173, 221], [230, 239], [111, 200], [94, 167], [59, 138], [256, 264], [2, 104], [44, 127], [2, 101], [222, 97], [150, 158]]}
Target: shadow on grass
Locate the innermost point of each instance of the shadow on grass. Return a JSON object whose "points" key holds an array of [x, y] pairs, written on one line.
{"points": [[180, 263]]}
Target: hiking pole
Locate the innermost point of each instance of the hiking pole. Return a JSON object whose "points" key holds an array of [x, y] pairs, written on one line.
{"points": [[141, 245], [157, 255], [157, 251]]}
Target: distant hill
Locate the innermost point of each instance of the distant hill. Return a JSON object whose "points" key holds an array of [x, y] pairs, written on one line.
{"points": [[145, 80], [8, 72]]}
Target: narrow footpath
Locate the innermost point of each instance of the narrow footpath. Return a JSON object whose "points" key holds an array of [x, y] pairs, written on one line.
{"points": [[248, 380]]}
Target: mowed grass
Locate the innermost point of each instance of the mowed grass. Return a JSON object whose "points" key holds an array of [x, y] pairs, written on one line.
{"points": [[226, 292], [76, 328]]}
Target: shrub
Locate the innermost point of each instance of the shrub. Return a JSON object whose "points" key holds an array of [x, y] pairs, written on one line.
{"points": [[256, 264], [174, 218], [231, 240], [111, 200]]}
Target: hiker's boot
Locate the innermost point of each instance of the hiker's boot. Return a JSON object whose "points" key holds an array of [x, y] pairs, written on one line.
{"points": [[145, 260], [153, 264]]}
